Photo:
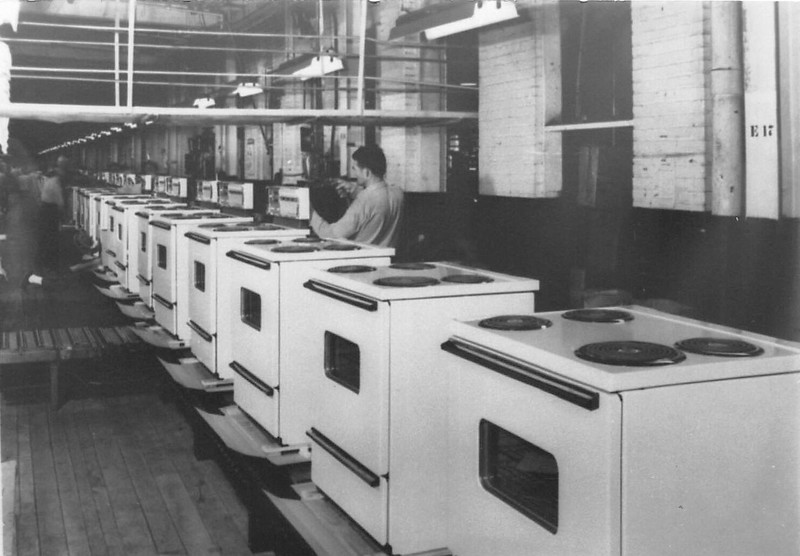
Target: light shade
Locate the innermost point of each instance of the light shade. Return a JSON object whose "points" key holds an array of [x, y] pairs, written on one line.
{"points": [[319, 66], [204, 102], [248, 90], [442, 20], [307, 66]]}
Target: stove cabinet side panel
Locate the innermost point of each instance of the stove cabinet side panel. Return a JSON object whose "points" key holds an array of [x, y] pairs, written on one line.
{"points": [[712, 468], [418, 415]]}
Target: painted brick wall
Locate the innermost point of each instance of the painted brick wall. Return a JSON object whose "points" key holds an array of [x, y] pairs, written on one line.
{"points": [[671, 105], [414, 155], [517, 156]]}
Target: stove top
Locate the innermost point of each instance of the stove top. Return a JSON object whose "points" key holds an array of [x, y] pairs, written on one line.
{"points": [[644, 349], [422, 280], [244, 230], [310, 248]]}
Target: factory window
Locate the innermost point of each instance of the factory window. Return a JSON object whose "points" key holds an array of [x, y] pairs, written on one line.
{"points": [[342, 362], [250, 307], [143, 242], [200, 276], [596, 62], [520, 474], [161, 258]]}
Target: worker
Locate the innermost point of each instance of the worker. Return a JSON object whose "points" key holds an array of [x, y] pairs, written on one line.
{"points": [[376, 207], [51, 206]]}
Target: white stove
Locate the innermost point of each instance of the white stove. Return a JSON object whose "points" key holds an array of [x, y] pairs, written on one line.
{"points": [[207, 191], [177, 187], [107, 221], [207, 246], [621, 431], [380, 411], [145, 247], [123, 248], [235, 194], [268, 312], [170, 289]]}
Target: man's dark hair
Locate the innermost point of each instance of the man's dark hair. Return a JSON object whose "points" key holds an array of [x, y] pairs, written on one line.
{"points": [[373, 158]]}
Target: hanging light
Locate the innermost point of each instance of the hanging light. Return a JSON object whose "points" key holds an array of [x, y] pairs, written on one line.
{"points": [[442, 20], [310, 65], [204, 102], [248, 90]]}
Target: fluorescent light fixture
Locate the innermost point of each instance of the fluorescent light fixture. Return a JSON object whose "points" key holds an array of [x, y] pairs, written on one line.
{"points": [[319, 66], [116, 128], [204, 102], [442, 20], [248, 90]]}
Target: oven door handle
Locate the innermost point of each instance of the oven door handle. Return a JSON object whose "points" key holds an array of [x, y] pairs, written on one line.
{"points": [[249, 259], [197, 237], [164, 302], [120, 266], [366, 303], [252, 379], [112, 253], [343, 457], [200, 332], [525, 373], [143, 280]]}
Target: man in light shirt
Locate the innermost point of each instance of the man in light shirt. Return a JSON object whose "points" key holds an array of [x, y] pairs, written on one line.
{"points": [[376, 207]]}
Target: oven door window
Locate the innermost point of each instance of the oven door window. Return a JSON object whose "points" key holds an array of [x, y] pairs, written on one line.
{"points": [[250, 307], [520, 474], [342, 362], [119, 231], [161, 258], [143, 242], [200, 276]]}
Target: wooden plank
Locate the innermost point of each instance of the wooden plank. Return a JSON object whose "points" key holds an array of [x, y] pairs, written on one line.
{"points": [[185, 515], [9, 472], [91, 410], [83, 474], [71, 507], [52, 534], [228, 531], [137, 451], [128, 514], [27, 533], [8, 431]]}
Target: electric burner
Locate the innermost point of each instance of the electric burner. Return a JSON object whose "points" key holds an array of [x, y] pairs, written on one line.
{"points": [[406, 281], [598, 315], [724, 347], [208, 226], [295, 249], [467, 278], [268, 227], [261, 242], [412, 266], [209, 215], [352, 269], [630, 353], [341, 247], [307, 240], [515, 322]]}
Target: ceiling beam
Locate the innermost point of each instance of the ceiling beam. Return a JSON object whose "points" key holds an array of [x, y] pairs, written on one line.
{"points": [[179, 116], [152, 12]]}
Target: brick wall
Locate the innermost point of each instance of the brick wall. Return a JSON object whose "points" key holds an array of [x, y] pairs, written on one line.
{"points": [[519, 94], [671, 105]]}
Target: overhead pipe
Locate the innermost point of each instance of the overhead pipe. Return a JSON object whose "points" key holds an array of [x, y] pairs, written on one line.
{"points": [[727, 105]]}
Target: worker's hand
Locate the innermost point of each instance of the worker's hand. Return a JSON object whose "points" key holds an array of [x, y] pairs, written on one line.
{"points": [[347, 189]]}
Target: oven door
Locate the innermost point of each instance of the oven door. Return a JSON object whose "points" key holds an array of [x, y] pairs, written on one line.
{"points": [[164, 272], [535, 459], [240, 195], [252, 297], [202, 299], [349, 354]]}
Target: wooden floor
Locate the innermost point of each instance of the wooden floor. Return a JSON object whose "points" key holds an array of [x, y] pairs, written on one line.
{"points": [[112, 471], [115, 475]]}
